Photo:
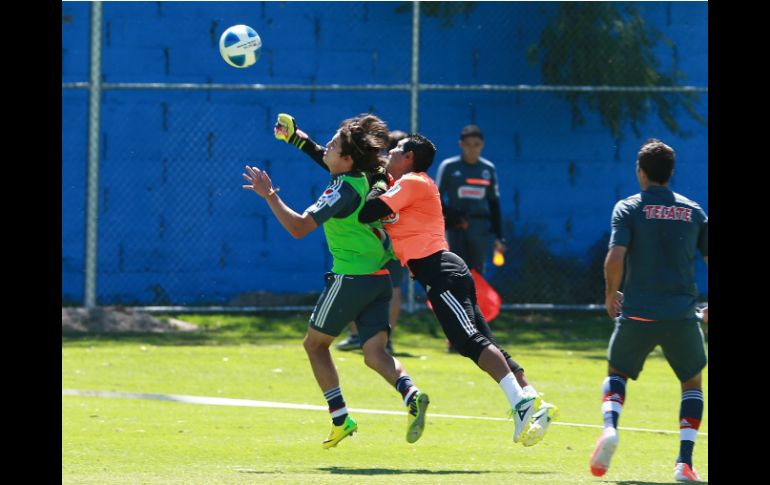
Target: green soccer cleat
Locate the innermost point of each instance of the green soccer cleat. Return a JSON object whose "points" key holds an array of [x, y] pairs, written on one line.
{"points": [[339, 433], [415, 418]]}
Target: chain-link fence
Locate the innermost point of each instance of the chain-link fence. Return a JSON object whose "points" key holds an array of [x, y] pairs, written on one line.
{"points": [[564, 92]]}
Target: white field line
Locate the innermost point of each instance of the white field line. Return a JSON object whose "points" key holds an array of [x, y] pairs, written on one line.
{"points": [[248, 403]]}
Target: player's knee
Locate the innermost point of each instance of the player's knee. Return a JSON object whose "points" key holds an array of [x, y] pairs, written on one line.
{"points": [[370, 360], [373, 357], [313, 345], [308, 346], [473, 346], [374, 350], [692, 383]]}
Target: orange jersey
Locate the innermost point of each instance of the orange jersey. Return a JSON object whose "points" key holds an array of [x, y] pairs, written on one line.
{"points": [[417, 229]]}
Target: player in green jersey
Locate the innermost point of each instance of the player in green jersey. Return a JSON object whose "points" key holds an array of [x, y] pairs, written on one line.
{"points": [[358, 287]]}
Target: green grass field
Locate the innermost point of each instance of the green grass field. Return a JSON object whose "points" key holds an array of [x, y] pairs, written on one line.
{"points": [[120, 441]]}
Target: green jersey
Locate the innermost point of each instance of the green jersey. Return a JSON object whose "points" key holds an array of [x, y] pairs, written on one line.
{"points": [[356, 248]]}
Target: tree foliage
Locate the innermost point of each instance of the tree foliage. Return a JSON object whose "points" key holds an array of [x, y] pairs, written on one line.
{"points": [[602, 44]]}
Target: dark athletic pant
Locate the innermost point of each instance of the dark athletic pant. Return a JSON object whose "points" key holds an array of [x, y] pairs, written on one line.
{"points": [[452, 293]]}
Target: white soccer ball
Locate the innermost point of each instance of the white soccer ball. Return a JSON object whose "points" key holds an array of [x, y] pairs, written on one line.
{"points": [[240, 46]]}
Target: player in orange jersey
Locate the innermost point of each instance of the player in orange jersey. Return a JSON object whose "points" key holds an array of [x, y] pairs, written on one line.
{"points": [[412, 208]]}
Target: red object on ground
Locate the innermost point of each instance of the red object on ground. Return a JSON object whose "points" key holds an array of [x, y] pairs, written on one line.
{"points": [[487, 297]]}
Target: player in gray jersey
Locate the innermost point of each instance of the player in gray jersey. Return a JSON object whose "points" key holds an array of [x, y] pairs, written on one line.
{"points": [[470, 199], [656, 236], [470, 196]]}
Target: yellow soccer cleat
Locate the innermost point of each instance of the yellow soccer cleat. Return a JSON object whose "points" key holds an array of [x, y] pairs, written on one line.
{"points": [[338, 433], [415, 418], [541, 420]]}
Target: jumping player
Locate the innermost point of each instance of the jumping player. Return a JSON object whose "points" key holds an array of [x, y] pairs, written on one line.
{"points": [[417, 232]]}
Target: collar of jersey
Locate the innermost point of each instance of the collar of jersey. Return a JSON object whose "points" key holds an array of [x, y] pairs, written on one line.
{"points": [[352, 173], [657, 188]]}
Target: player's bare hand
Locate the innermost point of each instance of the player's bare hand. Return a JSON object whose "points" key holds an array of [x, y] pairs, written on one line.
{"points": [[705, 313], [498, 245], [613, 305], [258, 181]]}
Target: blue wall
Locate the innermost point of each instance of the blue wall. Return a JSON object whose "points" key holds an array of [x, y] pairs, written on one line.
{"points": [[176, 227]]}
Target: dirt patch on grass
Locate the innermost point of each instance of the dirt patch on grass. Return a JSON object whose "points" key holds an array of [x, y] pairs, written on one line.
{"points": [[118, 319]]}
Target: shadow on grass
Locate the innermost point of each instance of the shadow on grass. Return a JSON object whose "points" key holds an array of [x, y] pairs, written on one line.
{"points": [[266, 328], [339, 470], [397, 353], [76, 339]]}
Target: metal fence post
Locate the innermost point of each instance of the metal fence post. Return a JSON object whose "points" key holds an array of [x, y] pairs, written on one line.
{"points": [[92, 194], [413, 125]]}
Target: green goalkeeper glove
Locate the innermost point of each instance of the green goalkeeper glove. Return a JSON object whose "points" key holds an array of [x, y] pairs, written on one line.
{"points": [[286, 130]]}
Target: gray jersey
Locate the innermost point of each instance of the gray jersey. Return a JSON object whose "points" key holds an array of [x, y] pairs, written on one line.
{"points": [[662, 232], [468, 187]]}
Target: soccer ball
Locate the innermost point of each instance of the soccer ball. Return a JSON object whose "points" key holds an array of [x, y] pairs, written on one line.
{"points": [[240, 46]]}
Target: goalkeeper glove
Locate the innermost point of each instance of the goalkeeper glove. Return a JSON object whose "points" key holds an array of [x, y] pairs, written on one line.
{"points": [[378, 183], [286, 130]]}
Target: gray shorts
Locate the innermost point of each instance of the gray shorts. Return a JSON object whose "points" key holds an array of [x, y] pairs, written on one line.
{"points": [[364, 299], [681, 341]]}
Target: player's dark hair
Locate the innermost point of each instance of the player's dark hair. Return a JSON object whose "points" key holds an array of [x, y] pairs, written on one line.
{"points": [[471, 130], [362, 137], [424, 150], [656, 159], [395, 137]]}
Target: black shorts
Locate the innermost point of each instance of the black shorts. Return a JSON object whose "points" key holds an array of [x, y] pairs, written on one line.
{"points": [[451, 291]]}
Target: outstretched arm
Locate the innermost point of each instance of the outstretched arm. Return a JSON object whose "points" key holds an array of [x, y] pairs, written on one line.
{"points": [[297, 225], [286, 129]]}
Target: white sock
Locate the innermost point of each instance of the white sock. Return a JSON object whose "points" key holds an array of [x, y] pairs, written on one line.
{"points": [[529, 390], [512, 389]]}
